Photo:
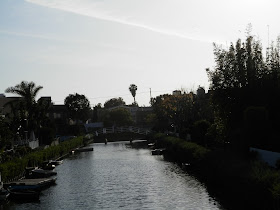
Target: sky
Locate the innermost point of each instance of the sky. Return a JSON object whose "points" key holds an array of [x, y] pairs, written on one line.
{"points": [[99, 47]]}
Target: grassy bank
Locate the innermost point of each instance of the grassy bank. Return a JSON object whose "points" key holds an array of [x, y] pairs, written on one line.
{"points": [[239, 182], [180, 150], [16, 167]]}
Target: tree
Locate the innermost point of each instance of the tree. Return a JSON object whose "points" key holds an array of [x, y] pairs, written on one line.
{"points": [[28, 91], [95, 112], [5, 134], [173, 110], [78, 107], [242, 78], [120, 117], [132, 89], [114, 102]]}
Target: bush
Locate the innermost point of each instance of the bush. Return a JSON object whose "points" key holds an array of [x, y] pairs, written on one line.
{"points": [[267, 179], [180, 149], [16, 167]]}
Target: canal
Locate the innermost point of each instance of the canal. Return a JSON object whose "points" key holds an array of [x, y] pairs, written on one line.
{"points": [[115, 176]]}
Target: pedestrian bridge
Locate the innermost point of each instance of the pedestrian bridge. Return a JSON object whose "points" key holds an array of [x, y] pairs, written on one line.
{"points": [[123, 129]]}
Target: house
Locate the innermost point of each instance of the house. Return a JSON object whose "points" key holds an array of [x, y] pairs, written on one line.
{"points": [[4, 108]]}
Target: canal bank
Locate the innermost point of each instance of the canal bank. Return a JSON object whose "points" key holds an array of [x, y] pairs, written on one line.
{"points": [[240, 182]]}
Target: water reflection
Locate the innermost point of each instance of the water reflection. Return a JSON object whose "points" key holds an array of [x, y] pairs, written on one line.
{"points": [[114, 176]]}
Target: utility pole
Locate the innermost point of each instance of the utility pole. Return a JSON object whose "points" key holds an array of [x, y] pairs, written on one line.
{"points": [[151, 96]]}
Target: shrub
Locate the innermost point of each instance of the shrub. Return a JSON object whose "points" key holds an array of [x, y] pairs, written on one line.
{"points": [[15, 167], [182, 150]]}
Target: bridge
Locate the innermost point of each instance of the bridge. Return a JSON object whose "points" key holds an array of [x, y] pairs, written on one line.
{"points": [[123, 129]]}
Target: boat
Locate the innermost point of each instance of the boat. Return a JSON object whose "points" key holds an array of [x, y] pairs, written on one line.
{"points": [[4, 194], [37, 184], [55, 162], [35, 172], [151, 145], [84, 149], [47, 165], [23, 195], [158, 151], [41, 173]]}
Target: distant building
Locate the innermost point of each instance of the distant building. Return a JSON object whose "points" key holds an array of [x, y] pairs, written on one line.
{"points": [[176, 92], [4, 107]]}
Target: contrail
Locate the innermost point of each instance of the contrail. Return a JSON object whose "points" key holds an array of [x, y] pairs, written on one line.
{"points": [[94, 12]]}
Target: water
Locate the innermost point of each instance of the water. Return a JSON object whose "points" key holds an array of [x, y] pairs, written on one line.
{"points": [[115, 176]]}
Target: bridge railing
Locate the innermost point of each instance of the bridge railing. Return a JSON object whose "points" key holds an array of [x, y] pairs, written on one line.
{"points": [[122, 129]]}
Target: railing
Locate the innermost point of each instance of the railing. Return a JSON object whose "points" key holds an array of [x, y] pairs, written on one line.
{"points": [[131, 129]]}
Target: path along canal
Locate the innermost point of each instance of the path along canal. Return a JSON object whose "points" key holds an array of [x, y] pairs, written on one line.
{"points": [[115, 176]]}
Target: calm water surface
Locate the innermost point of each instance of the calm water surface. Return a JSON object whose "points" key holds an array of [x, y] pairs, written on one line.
{"points": [[115, 176]]}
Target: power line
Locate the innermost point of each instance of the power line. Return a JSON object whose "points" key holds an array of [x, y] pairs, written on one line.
{"points": [[121, 95]]}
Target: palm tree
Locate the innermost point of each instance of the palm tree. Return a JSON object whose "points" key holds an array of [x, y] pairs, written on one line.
{"points": [[132, 89], [28, 91]]}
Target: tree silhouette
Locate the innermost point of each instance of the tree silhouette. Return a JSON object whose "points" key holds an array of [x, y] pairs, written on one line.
{"points": [[132, 89], [114, 102], [28, 91], [78, 106]]}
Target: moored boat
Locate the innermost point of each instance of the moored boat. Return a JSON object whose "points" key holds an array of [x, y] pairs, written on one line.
{"points": [[158, 151], [84, 149], [4, 194], [55, 162], [41, 173], [31, 184], [23, 195]]}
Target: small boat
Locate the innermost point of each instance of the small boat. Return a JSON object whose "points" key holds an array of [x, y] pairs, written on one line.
{"points": [[151, 145], [186, 165], [55, 162], [84, 149], [4, 194], [37, 184], [23, 195], [158, 151], [41, 173], [48, 167]]}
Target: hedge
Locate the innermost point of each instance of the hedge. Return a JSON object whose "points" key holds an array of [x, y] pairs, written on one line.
{"points": [[16, 167], [180, 149]]}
